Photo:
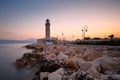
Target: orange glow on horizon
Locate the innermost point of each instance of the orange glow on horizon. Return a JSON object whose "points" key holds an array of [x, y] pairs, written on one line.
{"points": [[68, 17]]}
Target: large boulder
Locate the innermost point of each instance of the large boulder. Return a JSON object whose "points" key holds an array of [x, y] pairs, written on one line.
{"points": [[82, 75], [62, 57], [114, 53], [57, 75], [92, 68], [109, 64], [50, 57], [73, 63], [91, 53], [79, 75], [43, 75], [85, 65], [49, 67], [31, 62], [20, 63], [93, 72], [115, 48], [30, 55]]}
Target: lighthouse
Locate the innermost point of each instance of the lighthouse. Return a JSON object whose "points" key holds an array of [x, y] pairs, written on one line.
{"points": [[47, 29], [48, 39]]}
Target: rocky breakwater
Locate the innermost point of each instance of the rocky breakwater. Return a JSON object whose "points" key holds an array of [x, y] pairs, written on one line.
{"points": [[72, 62]]}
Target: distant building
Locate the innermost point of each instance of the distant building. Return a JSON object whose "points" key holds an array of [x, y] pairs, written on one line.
{"points": [[40, 41]]}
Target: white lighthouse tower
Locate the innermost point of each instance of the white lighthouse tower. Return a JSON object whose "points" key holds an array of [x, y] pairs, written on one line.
{"points": [[47, 40], [47, 29]]}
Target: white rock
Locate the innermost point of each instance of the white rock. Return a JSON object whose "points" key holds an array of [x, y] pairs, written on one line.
{"points": [[109, 63], [84, 65], [43, 75], [93, 72], [72, 76], [104, 77], [116, 76], [57, 75], [62, 57], [86, 52]]}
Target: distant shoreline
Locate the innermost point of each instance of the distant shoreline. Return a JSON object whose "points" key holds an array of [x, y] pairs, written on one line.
{"points": [[3, 41]]}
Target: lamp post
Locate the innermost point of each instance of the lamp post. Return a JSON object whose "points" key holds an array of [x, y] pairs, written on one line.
{"points": [[62, 36], [73, 37], [84, 29]]}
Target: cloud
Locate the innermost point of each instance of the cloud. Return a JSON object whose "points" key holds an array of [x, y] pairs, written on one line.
{"points": [[7, 32]]}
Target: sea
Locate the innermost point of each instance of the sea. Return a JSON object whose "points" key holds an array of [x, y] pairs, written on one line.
{"points": [[8, 55]]}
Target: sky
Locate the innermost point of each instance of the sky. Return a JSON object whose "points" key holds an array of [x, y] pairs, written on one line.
{"points": [[23, 19]]}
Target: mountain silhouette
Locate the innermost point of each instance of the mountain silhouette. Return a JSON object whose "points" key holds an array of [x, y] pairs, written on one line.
{"points": [[31, 40]]}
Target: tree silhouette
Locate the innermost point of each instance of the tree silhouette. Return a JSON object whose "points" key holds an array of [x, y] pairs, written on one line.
{"points": [[111, 37]]}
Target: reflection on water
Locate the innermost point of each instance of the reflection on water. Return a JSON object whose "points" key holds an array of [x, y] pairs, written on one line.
{"points": [[8, 54]]}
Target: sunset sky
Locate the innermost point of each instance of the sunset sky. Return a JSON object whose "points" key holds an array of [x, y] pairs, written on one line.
{"points": [[23, 19]]}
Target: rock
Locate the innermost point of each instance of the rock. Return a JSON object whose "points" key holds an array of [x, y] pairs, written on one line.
{"points": [[30, 55], [116, 76], [112, 75], [114, 53], [78, 51], [37, 72], [41, 59], [92, 68], [73, 64], [79, 75], [51, 57], [109, 64], [83, 76], [70, 77], [32, 59], [35, 47], [93, 72], [85, 66], [62, 57], [92, 53], [31, 46], [20, 63], [35, 78], [31, 62], [104, 77], [79, 62], [92, 56], [60, 71], [46, 78], [113, 48], [57, 75], [86, 52], [49, 67], [41, 49], [54, 76], [43, 75]]}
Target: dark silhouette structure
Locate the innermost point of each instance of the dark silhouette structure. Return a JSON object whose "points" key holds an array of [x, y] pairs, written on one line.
{"points": [[47, 29]]}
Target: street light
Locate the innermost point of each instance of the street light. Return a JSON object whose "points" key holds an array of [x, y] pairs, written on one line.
{"points": [[73, 37], [84, 29], [62, 36]]}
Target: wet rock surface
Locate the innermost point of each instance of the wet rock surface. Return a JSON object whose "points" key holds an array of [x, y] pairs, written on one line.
{"points": [[72, 62], [49, 67]]}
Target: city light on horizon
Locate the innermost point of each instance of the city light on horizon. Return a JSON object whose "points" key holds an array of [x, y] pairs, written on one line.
{"points": [[26, 19]]}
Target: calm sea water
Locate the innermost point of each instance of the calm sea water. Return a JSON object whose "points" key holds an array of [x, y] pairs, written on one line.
{"points": [[8, 54]]}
